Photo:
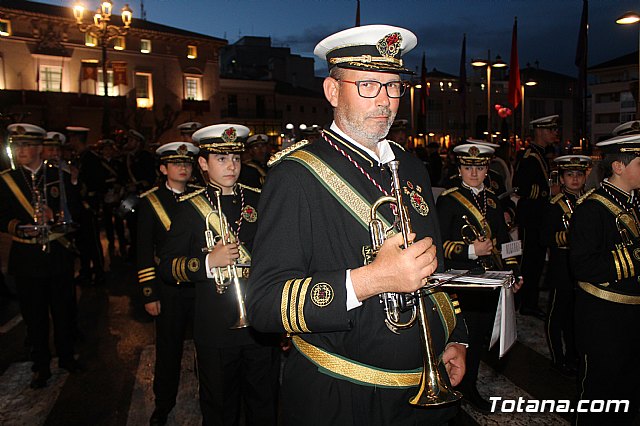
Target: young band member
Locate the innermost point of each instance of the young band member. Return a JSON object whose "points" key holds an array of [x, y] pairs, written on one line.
{"points": [[347, 366], [605, 260], [32, 199], [555, 229], [169, 302], [473, 228], [236, 365]]}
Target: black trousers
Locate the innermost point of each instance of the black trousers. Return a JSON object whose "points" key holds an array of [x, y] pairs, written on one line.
{"points": [[608, 339], [112, 222], [479, 309], [232, 377], [88, 243], [533, 256], [176, 315], [37, 297], [560, 322]]}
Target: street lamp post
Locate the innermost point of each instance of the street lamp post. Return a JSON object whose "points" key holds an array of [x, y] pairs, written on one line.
{"points": [[104, 32], [628, 19], [499, 63], [529, 83]]}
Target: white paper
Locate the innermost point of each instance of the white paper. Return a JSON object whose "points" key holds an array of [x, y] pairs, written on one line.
{"points": [[511, 249], [504, 325]]}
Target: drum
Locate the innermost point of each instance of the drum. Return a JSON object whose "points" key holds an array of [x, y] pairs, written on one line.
{"points": [[128, 205]]}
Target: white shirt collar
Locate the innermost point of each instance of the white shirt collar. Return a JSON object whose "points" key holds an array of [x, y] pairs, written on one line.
{"points": [[36, 170], [475, 191], [175, 191], [386, 153]]}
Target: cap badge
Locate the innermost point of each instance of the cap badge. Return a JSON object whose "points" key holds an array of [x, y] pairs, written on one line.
{"points": [[229, 135], [389, 45], [474, 151], [21, 130], [574, 160], [635, 125], [182, 150]]}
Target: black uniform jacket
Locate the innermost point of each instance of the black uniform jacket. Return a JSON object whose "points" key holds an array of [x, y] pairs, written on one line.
{"points": [[532, 182], [598, 255], [156, 210], [555, 235], [182, 259], [450, 212], [305, 243], [252, 174], [27, 257]]}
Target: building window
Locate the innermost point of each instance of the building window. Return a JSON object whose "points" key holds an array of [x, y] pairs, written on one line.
{"points": [[90, 40], [232, 105], [119, 43], [192, 88], [111, 90], [145, 45], [144, 90], [5, 27], [50, 78], [192, 51]]}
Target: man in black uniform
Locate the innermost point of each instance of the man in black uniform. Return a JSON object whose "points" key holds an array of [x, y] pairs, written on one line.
{"points": [[140, 176], [532, 180], [40, 259], [605, 260], [254, 168], [114, 180], [91, 183], [347, 367], [555, 228], [188, 129], [464, 249], [171, 303], [237, 366]]}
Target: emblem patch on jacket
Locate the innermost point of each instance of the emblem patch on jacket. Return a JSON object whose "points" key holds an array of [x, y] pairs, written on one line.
{"points": [[321, 294], [249, 213], [417, 201]]}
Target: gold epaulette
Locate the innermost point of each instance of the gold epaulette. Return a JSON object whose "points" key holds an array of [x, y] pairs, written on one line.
{"points": [[191, 194], [194, 186], [449, 191], [5, 171], [250, 188], [585, 196], [278, 156], [527, 153], [144, 194], [557, 198], [490, 190], [396, 144]]}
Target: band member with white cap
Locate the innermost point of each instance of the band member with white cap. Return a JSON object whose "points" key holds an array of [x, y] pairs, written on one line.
{"points": [[171, 303], [237, 366], [556, 219], [604, 241], [347, 367]]}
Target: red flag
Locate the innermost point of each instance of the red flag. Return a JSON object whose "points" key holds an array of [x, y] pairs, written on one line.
{"points": [[89, 71], [119, 73], [515, 88]]}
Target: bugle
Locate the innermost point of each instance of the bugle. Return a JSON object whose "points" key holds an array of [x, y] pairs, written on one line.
{"points": [[225, 277], [432, 389], [493, 260]]}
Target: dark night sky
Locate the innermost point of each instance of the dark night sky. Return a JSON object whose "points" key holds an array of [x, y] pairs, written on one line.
{"points": [[547, 29]]}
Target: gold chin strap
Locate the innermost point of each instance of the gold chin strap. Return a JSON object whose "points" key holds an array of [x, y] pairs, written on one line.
{"points": [[366, 59]]}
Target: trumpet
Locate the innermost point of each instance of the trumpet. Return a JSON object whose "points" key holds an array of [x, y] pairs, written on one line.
{"points": [[494, 260], [623, 220], [432, 390], [40, 226], [225, 277], [566, 217]]}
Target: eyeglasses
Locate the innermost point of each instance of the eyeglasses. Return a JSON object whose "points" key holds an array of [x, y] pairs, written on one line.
{"points": [[371, 88]]}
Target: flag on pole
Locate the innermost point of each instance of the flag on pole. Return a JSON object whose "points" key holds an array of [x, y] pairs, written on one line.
{"points": [[515, 86], [582, 48], [358, 14]]}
